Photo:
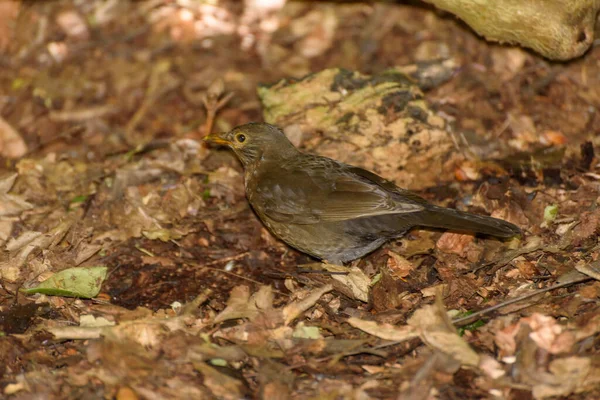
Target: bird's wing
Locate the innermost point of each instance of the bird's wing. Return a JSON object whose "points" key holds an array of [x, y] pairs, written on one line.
{"points": [[311, 195]]}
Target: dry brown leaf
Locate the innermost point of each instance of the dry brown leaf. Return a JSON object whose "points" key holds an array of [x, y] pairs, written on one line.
{"points": [[264, 323], [546, 332], [454, 243], [9, 10], [590, 223], [222, 386], [399, 266], [567, 375], [139, 326]]}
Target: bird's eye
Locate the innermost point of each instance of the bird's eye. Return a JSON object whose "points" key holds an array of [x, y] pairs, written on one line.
{"points": [[240, 138]]}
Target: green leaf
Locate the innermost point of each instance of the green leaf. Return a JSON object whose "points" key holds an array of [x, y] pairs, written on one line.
{"points": [[550, 213], [306, 332], [471, 327], [79, 199], [219, 362], [84, 282]]}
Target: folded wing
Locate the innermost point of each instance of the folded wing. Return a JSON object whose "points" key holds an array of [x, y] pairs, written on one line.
{"points": [[325, 195]]}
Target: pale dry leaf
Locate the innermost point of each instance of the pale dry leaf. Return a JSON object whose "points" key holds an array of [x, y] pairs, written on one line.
{"points": [[241, 305], [13, 388], [11, 204], [491, 367], [137, 326], [9, 271], [12, 145], [590, 269], [88, 320], [73, 25], [147, 332], [435, 329], [76, 332], [7, 182], [433, 290], [294, 309], [384, 331], [355, 279], [23, 240], [25, 244], [508, 61], [6, 228], [85, 251]]}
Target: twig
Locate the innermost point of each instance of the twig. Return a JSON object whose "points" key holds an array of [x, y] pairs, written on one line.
{"points": [[467, 319], [227, 259], [214, 101], [83, 114]]}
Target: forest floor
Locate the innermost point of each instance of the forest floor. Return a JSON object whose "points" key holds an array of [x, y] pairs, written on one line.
{"points": [[102, 111]]}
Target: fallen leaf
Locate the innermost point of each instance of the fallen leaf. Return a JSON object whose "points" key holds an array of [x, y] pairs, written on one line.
{"points": [[384, 331], [12, 144], [399, 266], [84, 282], [454, 243], [222, 386], [10, 204], [294, 309], [354, 279], [435, 329], [242, 305], [567, 375]]}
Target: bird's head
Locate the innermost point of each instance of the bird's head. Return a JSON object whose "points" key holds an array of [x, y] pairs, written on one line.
{"points": [[253, 141]]}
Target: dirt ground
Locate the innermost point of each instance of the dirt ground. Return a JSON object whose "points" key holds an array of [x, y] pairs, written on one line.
{"points": [[103, 105]]}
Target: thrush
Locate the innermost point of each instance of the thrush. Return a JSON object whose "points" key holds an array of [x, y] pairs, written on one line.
{"points": [[331, 210]]}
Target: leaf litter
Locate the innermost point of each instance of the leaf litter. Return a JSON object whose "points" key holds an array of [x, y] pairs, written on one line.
{"points": [[105, 106]]}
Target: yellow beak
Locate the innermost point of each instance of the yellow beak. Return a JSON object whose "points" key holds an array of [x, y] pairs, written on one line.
{"points": [[217, 138]]}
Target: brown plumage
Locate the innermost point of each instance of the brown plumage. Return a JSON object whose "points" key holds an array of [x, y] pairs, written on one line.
{"points": [[330, 210]]}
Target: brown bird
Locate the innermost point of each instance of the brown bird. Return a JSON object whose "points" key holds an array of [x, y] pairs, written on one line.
{"points": [[330, 210]]}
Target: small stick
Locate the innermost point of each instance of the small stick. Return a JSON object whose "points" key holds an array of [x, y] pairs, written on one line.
{"points": [[214, 101], [467, 319]]}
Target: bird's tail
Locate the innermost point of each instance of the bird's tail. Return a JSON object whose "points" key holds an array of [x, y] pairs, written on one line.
{"points": [[447, 218]]}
